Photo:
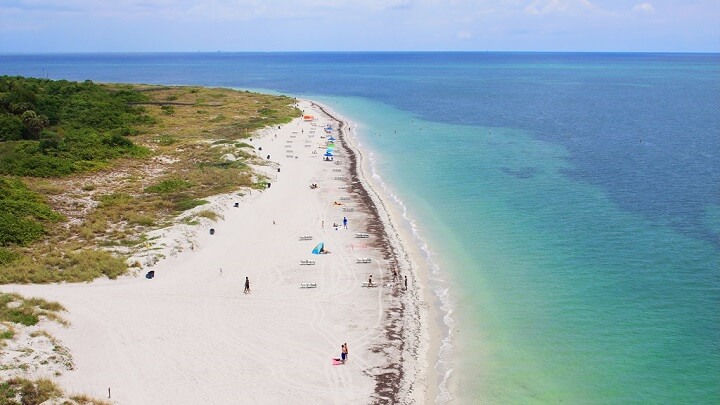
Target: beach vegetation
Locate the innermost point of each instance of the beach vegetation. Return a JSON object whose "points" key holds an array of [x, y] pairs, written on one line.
{"points": [[55, 128], [46, 264], [211, 215], [22, 391], [168, 186], [24, 215], [28, 311], [87, 169]]}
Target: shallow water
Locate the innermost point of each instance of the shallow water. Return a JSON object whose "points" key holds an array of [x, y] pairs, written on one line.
{"points": [[572, 201]]}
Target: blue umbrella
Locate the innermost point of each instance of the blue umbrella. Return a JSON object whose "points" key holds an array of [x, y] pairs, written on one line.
{"points": [[330, 138]]}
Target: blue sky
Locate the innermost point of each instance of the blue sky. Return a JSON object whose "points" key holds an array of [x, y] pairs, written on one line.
{"points": [[377, 25]]}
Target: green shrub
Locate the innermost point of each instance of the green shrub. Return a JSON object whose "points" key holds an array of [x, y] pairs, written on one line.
{"points": [[188, 203], [115, 199], [7, 256], [23, 213], [167, 140], [169, 186], [11, 127]]}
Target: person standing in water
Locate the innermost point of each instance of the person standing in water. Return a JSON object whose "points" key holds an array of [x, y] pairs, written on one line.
{"points": [[247, 285]]}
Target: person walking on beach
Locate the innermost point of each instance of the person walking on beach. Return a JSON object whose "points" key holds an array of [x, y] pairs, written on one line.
{"points": [[395, 275], [344, 352], [370, 281], [345, 222], [405, 283], [247, 285]]}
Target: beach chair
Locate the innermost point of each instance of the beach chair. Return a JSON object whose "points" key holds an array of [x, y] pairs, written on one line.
{"points": [[308, 285], [366, 284], [305, 237], [290, 156], [307, 262], [361, 235], [349, 209], [339, 178], [342, 187], [337, 170], [344, 198], [364, 260]]}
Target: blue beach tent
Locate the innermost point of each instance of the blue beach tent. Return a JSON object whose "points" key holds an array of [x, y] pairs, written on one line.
{"points": [[318, 248]]}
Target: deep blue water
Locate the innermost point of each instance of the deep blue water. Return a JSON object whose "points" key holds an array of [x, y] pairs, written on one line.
{"points": [[572, 200]]}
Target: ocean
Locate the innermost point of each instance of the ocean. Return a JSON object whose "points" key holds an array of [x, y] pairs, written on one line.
{"points": [[568, 203]]}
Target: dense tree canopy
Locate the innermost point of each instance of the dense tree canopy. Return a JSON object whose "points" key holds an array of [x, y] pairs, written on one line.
{"points": [[53, 128]]}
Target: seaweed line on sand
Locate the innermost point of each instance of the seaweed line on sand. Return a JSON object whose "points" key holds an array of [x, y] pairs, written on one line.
{"points": [[394, 383]]}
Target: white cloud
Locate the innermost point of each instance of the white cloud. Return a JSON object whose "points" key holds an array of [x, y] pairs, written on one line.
{"points": [[464, 35], [644, 8], [558, 6]]}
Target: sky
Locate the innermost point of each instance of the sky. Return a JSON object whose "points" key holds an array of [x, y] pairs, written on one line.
{"points": [[37, 26]]}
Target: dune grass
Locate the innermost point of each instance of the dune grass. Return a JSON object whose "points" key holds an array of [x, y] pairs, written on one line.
{"points": [[21, 391], [28, 311]]}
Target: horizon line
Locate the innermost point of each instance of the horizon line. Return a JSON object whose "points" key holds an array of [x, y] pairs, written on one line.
{"points": [[2, 53]]}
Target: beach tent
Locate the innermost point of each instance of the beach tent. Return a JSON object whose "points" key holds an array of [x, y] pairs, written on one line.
{"points": [[318, 248]]}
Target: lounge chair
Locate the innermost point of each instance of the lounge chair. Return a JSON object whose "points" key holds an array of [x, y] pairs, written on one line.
{"points": [[308, 285]]}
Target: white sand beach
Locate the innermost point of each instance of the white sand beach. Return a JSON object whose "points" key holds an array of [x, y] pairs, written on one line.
{"points": [[191, 336]]}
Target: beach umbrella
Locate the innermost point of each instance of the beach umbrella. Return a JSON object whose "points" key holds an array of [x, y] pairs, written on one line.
{"points": [[330, 138], [328, 154], [330, 145], [318, 248]]}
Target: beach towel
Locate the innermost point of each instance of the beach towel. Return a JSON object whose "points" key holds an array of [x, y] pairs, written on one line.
{"points": [[336, 362]]}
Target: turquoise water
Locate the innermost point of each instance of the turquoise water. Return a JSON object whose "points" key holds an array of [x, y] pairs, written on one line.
{"points": [[573, 299], [571, 203]]}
